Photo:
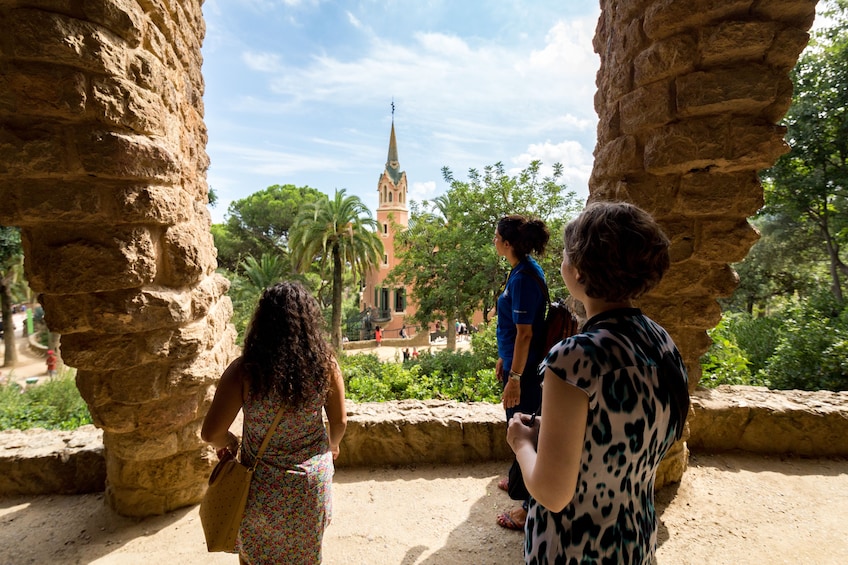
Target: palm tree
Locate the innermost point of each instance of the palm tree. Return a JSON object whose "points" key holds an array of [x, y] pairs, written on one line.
{"points": [[342, 232], [252, 278]]}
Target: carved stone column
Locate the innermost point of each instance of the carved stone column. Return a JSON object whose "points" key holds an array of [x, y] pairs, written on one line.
{"points": [[689, 95], [103, 166]]}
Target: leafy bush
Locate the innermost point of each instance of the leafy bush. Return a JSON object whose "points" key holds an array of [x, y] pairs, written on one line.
{"points": [[812, 356], [460, 376], [757, 337], [801, 345], [53, 405], [725, 363]]}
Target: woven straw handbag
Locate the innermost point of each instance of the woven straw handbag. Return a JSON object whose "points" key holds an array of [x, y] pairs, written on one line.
{"points": [[222, 507]]}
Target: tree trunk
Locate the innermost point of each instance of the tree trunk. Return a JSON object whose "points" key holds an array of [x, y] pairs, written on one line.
{"points": [[835, 263], [450, 342], [336, 338], [10, 358]]}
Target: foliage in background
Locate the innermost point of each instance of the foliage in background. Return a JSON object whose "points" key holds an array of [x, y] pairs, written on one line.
{"points": [[466, 376], [802, 344], [260, 223], [52, 405], [792, 284], [447, 256], [726, 363]]}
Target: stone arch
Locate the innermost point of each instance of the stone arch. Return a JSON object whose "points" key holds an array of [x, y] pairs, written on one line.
{"points": [[103, 167]]}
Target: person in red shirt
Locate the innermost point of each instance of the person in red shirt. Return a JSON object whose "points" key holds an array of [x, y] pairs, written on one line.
{"points": [[51, 363], [378, 335]]}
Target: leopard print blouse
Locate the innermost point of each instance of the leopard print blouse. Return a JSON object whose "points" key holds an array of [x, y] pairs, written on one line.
{"points": [[611, 518]]}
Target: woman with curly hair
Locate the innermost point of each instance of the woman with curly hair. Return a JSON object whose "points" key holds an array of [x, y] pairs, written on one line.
{"points": [[286, 363], [614, 401]]}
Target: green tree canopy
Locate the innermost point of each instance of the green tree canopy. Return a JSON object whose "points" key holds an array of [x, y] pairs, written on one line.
{"points": [[260, 223], [807, 189], [447, 256], [335, 235]]}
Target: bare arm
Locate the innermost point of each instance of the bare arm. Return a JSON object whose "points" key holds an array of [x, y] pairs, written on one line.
{"points": [[226, 404], [520, 352], [551, 469], [335, 408]]}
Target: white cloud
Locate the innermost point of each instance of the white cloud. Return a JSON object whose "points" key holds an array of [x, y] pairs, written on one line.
{"points": [[262, 62], [435, 71], [274, 163], [576, 162], [354, 21], [419, 191]]}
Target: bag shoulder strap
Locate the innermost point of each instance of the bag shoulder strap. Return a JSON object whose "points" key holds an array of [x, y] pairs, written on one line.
{"points": [[542, 285], [267, 439]]}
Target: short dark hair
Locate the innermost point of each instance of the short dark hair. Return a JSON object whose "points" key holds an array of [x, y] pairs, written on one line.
{"points": [[524, 234], [618, 249]]}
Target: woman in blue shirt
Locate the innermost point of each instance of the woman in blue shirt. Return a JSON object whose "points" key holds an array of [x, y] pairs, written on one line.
{"points": [[520, 331]]}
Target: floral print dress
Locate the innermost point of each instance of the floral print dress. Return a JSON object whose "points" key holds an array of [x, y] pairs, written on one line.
{"points": [[290, 499]]}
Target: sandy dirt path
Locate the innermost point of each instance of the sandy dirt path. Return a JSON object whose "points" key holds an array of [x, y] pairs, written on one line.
{"points": [[729, 509]]}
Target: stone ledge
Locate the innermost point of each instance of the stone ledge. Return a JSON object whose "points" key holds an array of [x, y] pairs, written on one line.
{"points": [[420, 432], [758, 420], [52, 462]]}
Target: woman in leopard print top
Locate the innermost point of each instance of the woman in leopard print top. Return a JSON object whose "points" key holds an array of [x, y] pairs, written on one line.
{"points": [[614, 401]]}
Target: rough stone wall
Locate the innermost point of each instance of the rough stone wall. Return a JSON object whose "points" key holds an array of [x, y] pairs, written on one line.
{"points": [[410, 432], [103, 166], [689, 95]]}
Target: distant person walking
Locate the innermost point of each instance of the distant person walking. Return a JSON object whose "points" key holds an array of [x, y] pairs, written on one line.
{"points": [[51, 361], [378, 335]]}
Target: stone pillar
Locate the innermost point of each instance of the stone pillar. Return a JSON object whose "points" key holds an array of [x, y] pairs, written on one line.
{"points": [[103, 167], [689, 95]]}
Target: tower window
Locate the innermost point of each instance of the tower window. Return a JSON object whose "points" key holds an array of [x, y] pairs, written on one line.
{"points": [[385, 258], [390, 197], [385, 228]]}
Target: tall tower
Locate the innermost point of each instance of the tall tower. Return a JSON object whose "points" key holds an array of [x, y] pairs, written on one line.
{"points": [[389, 306]]}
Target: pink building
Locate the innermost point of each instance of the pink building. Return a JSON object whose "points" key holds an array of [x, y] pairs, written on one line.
{"points": [[389, 306]]}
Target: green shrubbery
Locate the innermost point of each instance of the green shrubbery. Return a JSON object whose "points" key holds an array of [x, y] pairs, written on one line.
{"points": [[464, 376], [802, 345], [53, 405]]}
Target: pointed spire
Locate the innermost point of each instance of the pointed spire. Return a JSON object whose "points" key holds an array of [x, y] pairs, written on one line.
{"points": [[392, 162], [392, 159]]}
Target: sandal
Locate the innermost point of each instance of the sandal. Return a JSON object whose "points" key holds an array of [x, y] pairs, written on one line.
{"points": [[505, 520], [503, 484]]}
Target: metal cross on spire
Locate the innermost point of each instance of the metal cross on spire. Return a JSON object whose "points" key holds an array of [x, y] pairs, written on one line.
{"points": [[393, 107]]}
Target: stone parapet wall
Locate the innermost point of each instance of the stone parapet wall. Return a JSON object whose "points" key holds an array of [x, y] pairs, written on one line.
{"points": [[758, 420], [411, 432]]}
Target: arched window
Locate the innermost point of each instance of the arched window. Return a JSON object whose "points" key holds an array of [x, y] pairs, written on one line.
{"points": [[390, 197]]}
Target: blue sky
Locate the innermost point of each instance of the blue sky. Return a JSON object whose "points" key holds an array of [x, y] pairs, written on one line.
{"points": [[300, 91]]}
